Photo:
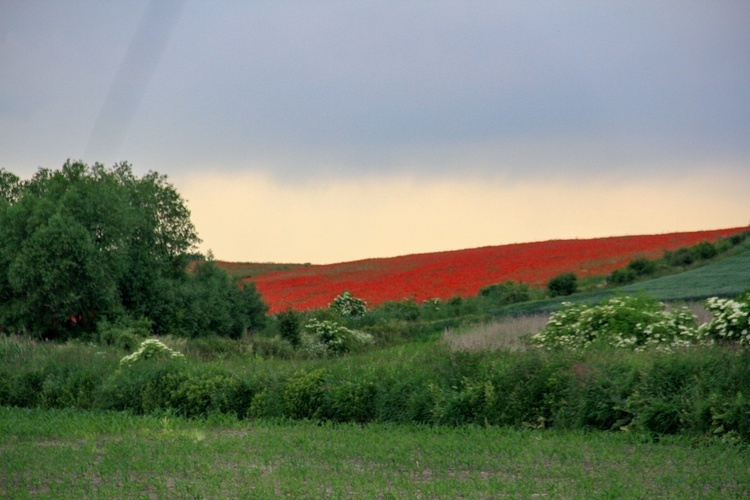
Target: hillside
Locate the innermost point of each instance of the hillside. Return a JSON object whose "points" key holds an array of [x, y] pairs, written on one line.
{"points": [[459, 272]]}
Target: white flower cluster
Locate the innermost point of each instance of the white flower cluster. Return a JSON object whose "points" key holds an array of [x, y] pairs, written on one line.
{"points": [[348, 305], [625, 322], [149, 349], [730, 320], [326, 337]]}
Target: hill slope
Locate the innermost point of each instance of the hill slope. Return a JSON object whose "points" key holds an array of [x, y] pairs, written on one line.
{"points": [[727, 277], [464, 272]]}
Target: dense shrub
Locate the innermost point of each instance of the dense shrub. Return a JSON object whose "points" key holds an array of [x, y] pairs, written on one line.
{"points": [[627, 321], [700, 391], [405, 310], [509, 292], [348, 306], [303, 394], [290, 326], [704, 250], [681, 257], [275, 347], [622, 277], [124, 332], [562, 284], [210, 302], [329, 338], [150, 349], [642, 266], [730, 319]]}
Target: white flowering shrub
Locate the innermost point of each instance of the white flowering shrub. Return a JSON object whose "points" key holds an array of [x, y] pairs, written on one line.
{"points": [[149, 349], [730, 320], [335, 338], [348, 306], [634, 322]]}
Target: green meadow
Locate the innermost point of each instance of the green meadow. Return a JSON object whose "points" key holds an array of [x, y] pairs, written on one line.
{"points": [[77, 454]]}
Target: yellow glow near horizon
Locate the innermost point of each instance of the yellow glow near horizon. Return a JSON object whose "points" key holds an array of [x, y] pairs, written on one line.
{"points": [[250, 217]]}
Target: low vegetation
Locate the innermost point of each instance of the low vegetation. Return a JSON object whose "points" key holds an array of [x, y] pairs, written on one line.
{"points": [[74, 454]]}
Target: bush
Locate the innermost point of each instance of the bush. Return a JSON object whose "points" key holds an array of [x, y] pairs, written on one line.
{"points": [[125, 333], [351, 401], [562, 285], [681, 257], [405, 310], [210, 302], [150, 349], [627, 321], [336, 338], [273, 347], [289, 322], [348, 306], [622, 277], [642, 267], [730, 319], [509, 292], [704, 250], [303, 394]]}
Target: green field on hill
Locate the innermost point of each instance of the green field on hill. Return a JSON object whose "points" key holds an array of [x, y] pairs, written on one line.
{"points": [[725, 277]]}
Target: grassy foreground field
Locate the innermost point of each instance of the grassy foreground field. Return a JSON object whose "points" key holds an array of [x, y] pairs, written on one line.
{"points": [[75, 454]]}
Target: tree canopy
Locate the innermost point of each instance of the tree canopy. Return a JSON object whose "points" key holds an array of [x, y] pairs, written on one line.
{"points": [[89, 243]]}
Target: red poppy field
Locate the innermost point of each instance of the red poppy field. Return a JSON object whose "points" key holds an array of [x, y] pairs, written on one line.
{"points": [[459, 272]]}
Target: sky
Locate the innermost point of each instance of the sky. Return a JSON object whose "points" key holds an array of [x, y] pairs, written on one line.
{"points": [[322, 131]]}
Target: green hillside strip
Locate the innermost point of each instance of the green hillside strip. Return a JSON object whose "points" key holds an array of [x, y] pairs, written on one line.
{"points": [[727, 277]]}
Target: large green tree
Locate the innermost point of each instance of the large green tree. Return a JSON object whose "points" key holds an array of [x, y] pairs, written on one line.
{"points": [[86, 243]]}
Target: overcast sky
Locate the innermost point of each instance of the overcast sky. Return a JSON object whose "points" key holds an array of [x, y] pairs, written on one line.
{"points": [[327, 131]]}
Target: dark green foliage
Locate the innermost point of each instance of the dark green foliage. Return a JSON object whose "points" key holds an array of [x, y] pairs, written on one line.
{"points": [[406, 310], [23, 390], [642, 267], [736, 239], [681, 257], [562, 285], [509, 292], [350, 401], [210, 302], [66, 387], [273, 347], [79, 244], [87, 244], [622, 277], [701, 391], [290, 326], [601, 393], [704, 250], [303, 394], [124, 333]]}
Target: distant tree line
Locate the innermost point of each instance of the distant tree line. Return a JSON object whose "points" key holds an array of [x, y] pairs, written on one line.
{"points": [[86, 246]]}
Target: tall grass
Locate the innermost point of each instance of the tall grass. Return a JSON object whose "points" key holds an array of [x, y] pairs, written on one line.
{"points": [[510, 333], [700, 392]]}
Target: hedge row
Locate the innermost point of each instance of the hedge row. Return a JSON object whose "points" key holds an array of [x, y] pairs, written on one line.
{"points": [[701, 391]]}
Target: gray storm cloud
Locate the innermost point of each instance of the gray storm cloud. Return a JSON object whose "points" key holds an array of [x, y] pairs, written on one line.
{"points": [[310, 88]]}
